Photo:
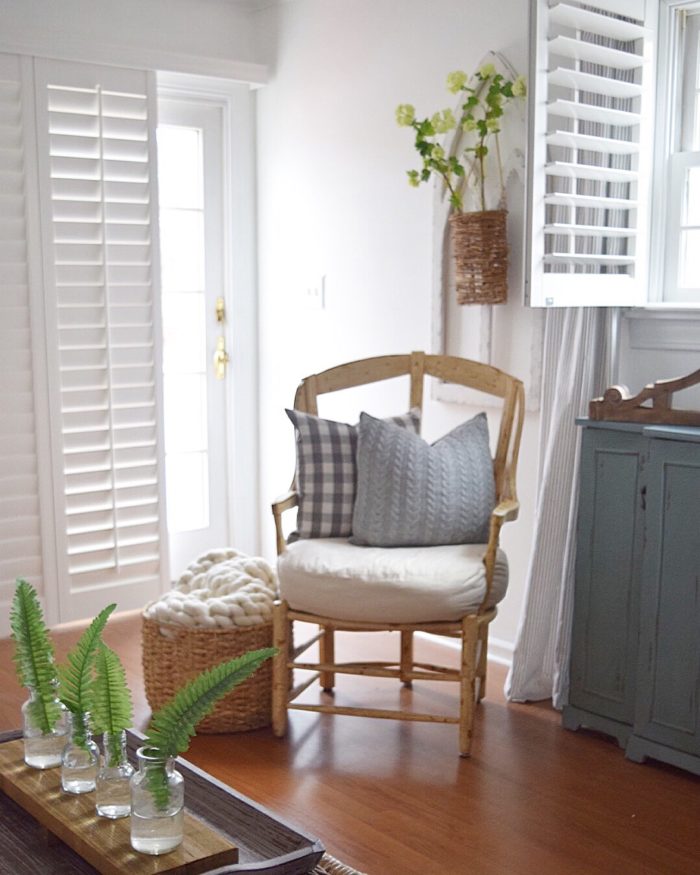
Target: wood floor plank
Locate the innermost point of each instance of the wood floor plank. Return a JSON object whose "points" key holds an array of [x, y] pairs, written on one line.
{"points": [[394, 798]]}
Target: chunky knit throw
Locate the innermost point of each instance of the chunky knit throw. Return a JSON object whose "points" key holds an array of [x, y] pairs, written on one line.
{"points": [[222, 588]]}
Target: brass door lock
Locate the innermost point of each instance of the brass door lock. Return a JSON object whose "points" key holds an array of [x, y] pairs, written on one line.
{"points": [[221, 358]]}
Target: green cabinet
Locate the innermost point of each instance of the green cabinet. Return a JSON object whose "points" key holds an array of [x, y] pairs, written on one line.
{"points": [[635, 655]]}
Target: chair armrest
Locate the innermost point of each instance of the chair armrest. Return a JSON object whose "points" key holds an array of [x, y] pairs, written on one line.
{"points": [[505, 511], [284, 502]]}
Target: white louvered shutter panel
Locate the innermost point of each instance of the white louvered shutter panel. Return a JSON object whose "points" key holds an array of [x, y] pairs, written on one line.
{"points": [[592, 101], [95, 132], [20, 518]]}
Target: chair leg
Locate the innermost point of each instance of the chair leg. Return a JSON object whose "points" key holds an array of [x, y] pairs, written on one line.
{"points": [[280, 673], [470, 636], [483, 659], [326, 650], [406, 658]]}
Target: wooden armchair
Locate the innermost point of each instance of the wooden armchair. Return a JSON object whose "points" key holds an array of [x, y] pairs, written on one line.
{"points": [[472, 623]]}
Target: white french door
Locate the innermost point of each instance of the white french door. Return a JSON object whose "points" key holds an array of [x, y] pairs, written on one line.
{"points": [[195, 320]]}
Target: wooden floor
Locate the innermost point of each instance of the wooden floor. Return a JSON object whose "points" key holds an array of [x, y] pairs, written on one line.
{"points": [[394, 798]]}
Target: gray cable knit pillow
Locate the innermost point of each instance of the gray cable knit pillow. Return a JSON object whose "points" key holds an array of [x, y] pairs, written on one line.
{"points": [[326, 472], [411, 493]]}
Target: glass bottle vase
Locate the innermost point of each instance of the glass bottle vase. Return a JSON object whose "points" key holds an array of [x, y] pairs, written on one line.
{"points": [[157, 803], [45, 727], [80, 757], [113, 797]]}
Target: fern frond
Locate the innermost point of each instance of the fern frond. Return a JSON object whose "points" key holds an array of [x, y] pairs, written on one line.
{"points": [[112, 709], [175, 723], [34, 656], [76, 675]]}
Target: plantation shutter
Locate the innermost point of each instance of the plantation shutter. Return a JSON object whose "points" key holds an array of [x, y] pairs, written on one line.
{"points": [[592, 101], [20, 518], [95, 135]]}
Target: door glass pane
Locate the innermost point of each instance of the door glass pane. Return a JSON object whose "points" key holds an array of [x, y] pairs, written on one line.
{"points": [[180, 167], [182, 249], [186, 413], [181, 192], [187, 491], [184, 348]]}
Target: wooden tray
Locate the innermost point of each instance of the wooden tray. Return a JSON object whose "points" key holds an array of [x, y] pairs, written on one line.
{"points": [[265, 843], [105, 844]]}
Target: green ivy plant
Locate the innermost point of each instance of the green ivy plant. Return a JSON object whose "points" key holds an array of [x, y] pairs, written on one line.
{"points": [[34, 655], [76, 676], [485, 98], [172, 727], [112, 708]]}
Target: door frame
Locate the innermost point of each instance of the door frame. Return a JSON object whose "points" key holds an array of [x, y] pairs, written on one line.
{"points": [[239, 291]]}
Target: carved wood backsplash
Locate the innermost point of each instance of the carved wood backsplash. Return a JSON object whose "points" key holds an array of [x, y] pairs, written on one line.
{"points": [[618, 405]]}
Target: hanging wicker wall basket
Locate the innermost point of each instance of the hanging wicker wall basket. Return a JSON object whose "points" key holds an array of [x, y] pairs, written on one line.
{"points": [[480, 250]]}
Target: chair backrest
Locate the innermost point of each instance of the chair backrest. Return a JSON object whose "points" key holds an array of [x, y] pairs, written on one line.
{"points": [[450, 369]]}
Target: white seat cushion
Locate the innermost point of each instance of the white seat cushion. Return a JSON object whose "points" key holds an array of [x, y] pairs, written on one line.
{"points": [[334, 578]]}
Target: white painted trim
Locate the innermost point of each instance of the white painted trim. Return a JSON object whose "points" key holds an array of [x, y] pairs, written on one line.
{"points": [[119, 55], [500, 650], [35, 270], [667, 329], [240, 292], [157, 300]]}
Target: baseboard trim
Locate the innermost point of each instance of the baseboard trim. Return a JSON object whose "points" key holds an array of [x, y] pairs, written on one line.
{"points": [[500, 650]]}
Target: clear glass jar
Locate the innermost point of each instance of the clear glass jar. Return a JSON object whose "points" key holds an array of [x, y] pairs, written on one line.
{"points": [[45, 729], [80, 757], [157, 804], [113, 798]]}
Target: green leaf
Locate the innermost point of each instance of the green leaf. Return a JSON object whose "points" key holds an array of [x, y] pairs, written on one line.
{"points": [[76, 675], [175, 723], [112, 709], [34, 655]]}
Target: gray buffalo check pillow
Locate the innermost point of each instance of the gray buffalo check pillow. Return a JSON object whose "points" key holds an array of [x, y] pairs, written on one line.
{"points": [[326, 474]]}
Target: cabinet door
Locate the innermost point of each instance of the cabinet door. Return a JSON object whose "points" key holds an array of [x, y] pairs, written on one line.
{"points": [[669, 692], [608, 566]]}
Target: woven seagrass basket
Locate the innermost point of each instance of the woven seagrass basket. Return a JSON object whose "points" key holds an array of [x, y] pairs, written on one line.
{"points": [[173, 654], [480, 250]]}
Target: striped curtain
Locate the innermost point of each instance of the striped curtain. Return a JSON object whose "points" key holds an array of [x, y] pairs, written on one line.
{"points": [[576, 369]]}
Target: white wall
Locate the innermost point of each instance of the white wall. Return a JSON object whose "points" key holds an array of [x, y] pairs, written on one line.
{"points": [[333, 201]]}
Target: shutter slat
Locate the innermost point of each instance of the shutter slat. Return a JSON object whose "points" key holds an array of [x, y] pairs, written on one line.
{"points": [[572, 140], [577, 50], [594, 22], [589, 112], [588, 230], [590, 171], [569, 78], [580, 258], [563, 199]]}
